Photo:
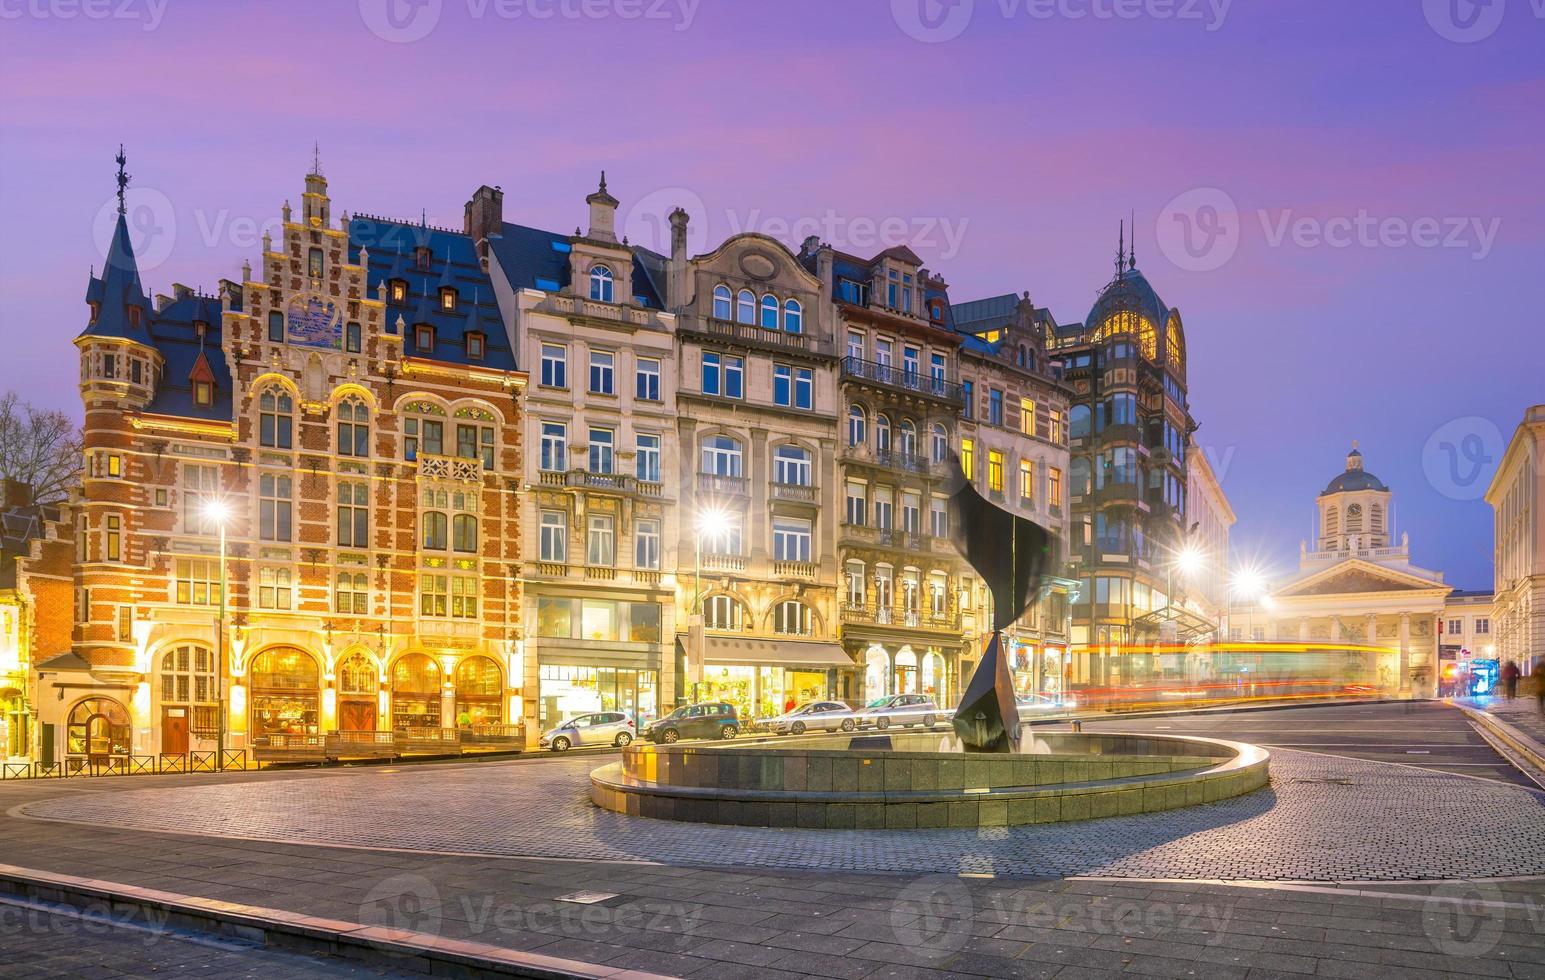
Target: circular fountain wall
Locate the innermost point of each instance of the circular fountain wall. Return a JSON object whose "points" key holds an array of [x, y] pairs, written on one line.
{"points": [[911, 781]]}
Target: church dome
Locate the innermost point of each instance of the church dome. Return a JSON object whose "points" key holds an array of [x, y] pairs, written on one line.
{"points": [[1355, 477], [1129, 292]]}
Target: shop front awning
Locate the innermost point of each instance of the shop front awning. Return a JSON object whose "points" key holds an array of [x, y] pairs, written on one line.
{"points": [[775, 653]]}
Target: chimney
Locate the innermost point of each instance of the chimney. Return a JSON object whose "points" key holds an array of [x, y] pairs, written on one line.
{"points": [[484, 216], [603, 214], [678, 269], [18, 493]]}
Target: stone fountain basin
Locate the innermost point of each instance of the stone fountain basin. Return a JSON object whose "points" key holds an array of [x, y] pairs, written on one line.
{"points": [[907, 781]]}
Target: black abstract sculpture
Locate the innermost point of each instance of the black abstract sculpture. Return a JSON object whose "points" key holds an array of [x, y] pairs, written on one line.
{"points": [[1011, 554]]}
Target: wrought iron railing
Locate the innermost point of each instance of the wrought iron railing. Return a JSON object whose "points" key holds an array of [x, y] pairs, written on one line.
{"points": [[905, 380]]}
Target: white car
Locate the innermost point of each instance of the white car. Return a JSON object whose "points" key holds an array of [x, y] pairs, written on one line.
{"points": [[905, 710], [601, 728], [826, 716]]}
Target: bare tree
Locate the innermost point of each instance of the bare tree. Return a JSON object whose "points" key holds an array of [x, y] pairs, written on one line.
{"points": [[39, 448]]}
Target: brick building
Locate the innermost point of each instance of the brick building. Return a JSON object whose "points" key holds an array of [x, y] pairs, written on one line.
{"points": [[330, 443]]}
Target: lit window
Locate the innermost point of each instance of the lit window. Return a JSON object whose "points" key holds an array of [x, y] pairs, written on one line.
{"points": [[448, 299], [1027, 416], [276, 588], [968, 458], [1026, 481]]}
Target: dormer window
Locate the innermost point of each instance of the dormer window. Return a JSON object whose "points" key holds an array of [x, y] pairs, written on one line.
{"points": [[399, 291], [601, 283], [936, 311], [96, 310], [203, 394], [424, 337], [475, 345], [421, 257], [200, 328], [314, 263], [448, 299], [134, 316]]}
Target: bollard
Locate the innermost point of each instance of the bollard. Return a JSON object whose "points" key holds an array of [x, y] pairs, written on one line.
{"points": [[1076, 726]]}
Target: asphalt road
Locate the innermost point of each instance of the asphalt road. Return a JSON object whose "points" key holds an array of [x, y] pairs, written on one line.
{"points": [[1429, 734]]}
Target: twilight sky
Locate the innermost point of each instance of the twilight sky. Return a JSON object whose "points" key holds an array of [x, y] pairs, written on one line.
{"points": [[1342, 198]]}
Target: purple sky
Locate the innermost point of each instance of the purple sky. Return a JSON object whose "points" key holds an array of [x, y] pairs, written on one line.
{"points": [[1005, 155]]}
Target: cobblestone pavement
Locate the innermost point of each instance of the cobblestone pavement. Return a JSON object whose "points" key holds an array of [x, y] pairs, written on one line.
{"points": [[1322, 819], [45, 943]]}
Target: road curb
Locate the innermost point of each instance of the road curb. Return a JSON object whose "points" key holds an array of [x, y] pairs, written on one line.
{"points": [[1229, 710], [1516, 740], [376, 945]]}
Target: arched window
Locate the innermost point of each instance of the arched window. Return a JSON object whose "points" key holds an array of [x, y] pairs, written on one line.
{"points": [[276, 418], [858, 424], [99, 727], [1174, 345], [1021, 355], [909, 437], [793, 317], [721, 303], [941, 442], [423, 430], [792, 618], [434, 531], [479, 692], [723, 612], [882, 432], [1078, 422], [791, 466], [601, 283], [415, 692], [284, 693], [722, 456], [464, 533], [357, 684], [188, 682], [770, 312], [745, 306], [353, 427]]}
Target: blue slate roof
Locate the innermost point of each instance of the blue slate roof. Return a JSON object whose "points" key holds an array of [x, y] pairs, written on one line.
{"points": [[117, 289], [173, 334], [535, 259], [453, 262], [1130, 290]]}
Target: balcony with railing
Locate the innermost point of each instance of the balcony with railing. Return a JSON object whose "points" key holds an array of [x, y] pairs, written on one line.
{"points": [[458, 469], [737, 486], [723, 563], [903, 380], [752, 335], [897, 460], [595, 309], [597, 573], [885, 537], [899, 616], [582, 479], [799, 493], [795, 569]]}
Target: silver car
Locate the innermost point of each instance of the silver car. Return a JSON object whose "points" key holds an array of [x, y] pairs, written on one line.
{"points": [[601, 728], [905, 710], [829, 716]]}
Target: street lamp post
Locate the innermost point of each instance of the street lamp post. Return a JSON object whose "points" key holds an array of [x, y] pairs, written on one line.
{"points": [[217, 511]]}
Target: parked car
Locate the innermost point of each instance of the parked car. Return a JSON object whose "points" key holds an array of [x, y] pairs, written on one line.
{"points": [[1043, 704], [711, 719], [905, 710], [827, 716], [601, 728]]}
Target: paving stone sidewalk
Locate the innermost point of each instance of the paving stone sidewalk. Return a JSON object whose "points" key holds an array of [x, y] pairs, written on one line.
{"points": [[1521, 712]]}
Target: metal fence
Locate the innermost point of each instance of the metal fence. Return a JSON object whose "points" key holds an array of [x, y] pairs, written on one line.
{"points": [[226, 760]]}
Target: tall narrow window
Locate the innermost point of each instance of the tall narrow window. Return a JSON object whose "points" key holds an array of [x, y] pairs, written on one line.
{"points": [[353, 515], [995, 471], [793, 317], [647, 459], [274, 505], [554, 537], [554, 366], [314, 263], [721, 303], [276, 327], [745, 306], [352, 339], [603, 372], [770, 312], [114, 537], [464, 533], [200, 488], [276, 418], [353, 427], [1027, 416], [857, 435], [646, 545], [602, 456], [601, 544], [554, 453], [648, 380], [436, 530]]}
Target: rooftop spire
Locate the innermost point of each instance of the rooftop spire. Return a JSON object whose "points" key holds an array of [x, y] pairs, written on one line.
{"points": [[1121, 251], [123, 179], [316, 160], [1132, 255]]}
